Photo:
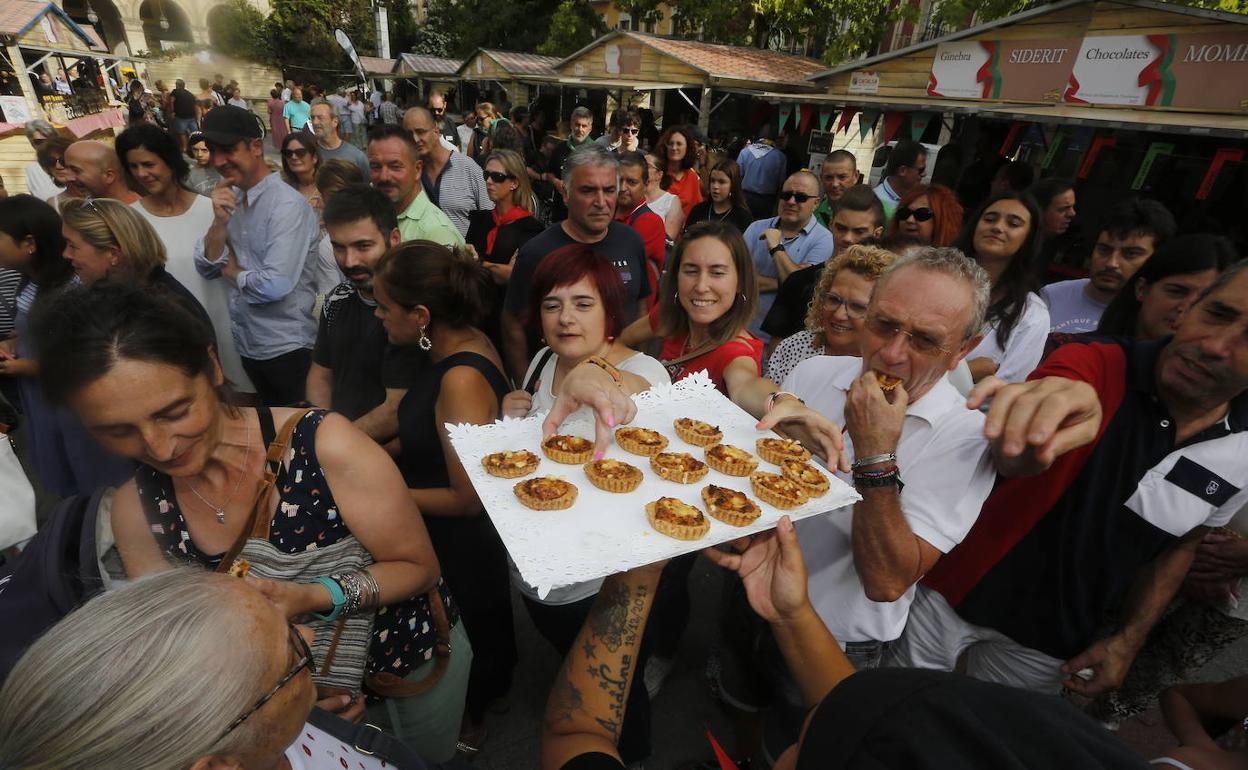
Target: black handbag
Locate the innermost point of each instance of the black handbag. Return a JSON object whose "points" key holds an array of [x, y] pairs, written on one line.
{"points": [[370, 740]]}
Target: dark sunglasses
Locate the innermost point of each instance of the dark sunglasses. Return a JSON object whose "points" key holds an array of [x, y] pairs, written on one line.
{"points": [[800, 197], [920, 215], [437, 110], [633, 131], [304, 652], [294, 152], [497, 177]]}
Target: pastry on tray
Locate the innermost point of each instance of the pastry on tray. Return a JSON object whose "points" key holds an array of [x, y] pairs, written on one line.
{"points": [[546, 493], [730, 506], [570, 450], [677, 519], [811, 478], [697, 432], [613, 475], [680, 467], [640, 441], [777, 490], [731, 460], [511, 464], [775, 450]]}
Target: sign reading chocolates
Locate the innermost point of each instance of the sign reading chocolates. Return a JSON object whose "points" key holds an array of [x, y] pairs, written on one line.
{"points": [[1011, 70]]}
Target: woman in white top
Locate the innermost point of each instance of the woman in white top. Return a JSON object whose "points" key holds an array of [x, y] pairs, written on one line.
{"points": [[662, 202], [1004, 238], [153, 162]]}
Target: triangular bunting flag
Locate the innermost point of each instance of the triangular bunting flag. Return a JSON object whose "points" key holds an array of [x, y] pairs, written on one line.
{"points": [[807, 115], [825, 114], [846, 117], [786, 110], [892, 122], [918, 124], [866, 122]]}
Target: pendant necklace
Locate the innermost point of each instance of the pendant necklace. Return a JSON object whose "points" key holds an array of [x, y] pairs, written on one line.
{"points": [[219, 510]]}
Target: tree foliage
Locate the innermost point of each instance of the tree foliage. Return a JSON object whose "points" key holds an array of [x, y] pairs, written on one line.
{"points": [[958, 14], [237, 29], [573, 26], [300, 34]]}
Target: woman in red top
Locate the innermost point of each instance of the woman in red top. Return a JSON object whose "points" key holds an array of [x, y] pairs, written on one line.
{"points": [[707, 296], [676, 158]]}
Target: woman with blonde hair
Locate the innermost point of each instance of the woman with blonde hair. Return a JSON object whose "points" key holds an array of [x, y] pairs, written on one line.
{"points": [[498, 234], [836, 312]]}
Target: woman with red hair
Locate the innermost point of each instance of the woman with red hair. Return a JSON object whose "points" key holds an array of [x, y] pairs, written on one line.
{"points": [[928, 212], [676, 155]]}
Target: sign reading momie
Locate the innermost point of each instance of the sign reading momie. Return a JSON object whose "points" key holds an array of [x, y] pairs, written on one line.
{"points": [[1195, 71], [1011, 70]]}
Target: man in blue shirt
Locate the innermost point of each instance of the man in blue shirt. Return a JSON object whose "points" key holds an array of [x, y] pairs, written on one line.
{"points": [[762, 171], [906, 165], [782, 245], [263, 241]]}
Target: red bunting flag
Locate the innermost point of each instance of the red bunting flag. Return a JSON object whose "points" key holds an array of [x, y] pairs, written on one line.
{"points": [[846, 117], [808, 114], [1011, 138], [1089, 160], [1220, 158], [892, 122]]}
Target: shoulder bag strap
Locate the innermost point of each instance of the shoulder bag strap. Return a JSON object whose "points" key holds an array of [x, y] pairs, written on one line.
{"points": [[530, 387], [368, 739], [258, 525]]}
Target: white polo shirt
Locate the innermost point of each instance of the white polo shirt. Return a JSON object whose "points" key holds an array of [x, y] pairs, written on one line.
{"points": [[947, 469]]}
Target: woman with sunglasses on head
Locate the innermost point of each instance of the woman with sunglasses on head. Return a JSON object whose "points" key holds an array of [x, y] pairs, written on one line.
{"points": [[300, 162], [1003, 236], [337, 537], [727, 199], [929, 213], [662, 202], [837, 309]]}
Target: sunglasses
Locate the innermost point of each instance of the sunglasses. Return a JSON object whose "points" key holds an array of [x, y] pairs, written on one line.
{"points": [[301, 648], [437, 111], [920, 215], [294, 152], [633, 131], [497, 177], [800, 197]]}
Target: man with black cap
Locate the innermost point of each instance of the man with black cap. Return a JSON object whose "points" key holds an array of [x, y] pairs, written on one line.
{"points": [[263, 241]]}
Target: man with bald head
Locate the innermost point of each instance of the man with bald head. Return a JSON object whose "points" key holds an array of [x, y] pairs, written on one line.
{"points": [[784, 244], [325, 122], [451, 179], [93, 170]]}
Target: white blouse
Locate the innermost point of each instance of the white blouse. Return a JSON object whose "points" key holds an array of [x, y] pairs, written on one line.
{"points": [[1026, 345]]}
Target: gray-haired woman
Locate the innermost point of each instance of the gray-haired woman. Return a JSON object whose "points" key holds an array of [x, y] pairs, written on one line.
{"points": [[182, 670]]}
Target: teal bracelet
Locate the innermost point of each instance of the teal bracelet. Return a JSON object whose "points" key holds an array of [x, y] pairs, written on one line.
{"points": [[336, 593]]}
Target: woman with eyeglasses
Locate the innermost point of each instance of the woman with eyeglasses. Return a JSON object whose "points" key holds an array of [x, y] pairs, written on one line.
{"points": [[152, 161], [344, 539], [662, 202], [1003, 236], [300, 161], [497, 235], [203, 176], [837, 309], [930, 213], [675, 152], [727, 199]]}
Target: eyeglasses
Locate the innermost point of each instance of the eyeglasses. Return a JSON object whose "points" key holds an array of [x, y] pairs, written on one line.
{"points": [[920, 215], [633, 131], [497, 177], [790, 195], [295, 152], [301, 647], [437, 110], [855, 310], [919, 342]]}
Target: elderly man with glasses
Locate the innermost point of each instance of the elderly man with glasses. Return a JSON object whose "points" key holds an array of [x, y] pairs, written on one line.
{"points": [[783, 244]]}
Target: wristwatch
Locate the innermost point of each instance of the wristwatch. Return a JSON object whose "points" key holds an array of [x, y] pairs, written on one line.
{"points": [[778, 247]]}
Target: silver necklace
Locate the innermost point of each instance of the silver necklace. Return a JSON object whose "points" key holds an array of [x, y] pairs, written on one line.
{"points": [[219, 510]]}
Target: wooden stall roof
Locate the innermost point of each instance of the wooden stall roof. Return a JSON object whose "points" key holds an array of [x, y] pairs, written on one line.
{"points": [[687, 63], [430, 66], [17, 17], [492, 64], [377, 66]]}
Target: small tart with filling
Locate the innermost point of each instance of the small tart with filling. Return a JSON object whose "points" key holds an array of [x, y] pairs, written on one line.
{"points": [[731, 460], [511, 464], [239, 568], [677, 519], [546, 493], [569, 450], [777, 450], [613, 475], [640, 441], [887, 382], [681, 467], [811, 478], [730, 506], [777, 490], [697, 432]]}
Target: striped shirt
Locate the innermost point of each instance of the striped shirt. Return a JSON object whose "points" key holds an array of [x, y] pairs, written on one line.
{"points": [[9, 280], [459, 190]]}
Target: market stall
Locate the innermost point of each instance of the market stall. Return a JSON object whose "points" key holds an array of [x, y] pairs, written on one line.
{"points": [[423, 73]]}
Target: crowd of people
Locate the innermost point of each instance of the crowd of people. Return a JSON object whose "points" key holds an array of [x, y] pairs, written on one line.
{"points": [[260, 361]]}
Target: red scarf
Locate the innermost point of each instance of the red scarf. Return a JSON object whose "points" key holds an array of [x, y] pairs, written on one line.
{"points": [[513, 214]]}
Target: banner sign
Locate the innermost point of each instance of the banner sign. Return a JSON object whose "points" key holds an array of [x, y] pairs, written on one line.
{"points": [[1012, 70], [1154, 149], [1203, 71]]}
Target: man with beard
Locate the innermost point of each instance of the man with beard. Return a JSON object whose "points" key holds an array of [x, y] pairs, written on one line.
{"points": [[1132, 231], [1100, 538], [394, 167], [325, 125], [355, 371], [263, 242], [92, 170]]}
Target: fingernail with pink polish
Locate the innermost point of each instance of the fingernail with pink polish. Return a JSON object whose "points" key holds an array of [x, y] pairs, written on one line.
{"points": [[599, 454], [610, 421]]}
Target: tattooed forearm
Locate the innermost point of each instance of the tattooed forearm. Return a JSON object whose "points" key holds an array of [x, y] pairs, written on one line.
{"points": [[565, 700]]}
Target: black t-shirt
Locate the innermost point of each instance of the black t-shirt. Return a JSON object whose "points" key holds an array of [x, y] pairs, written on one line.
{"points": [[594, 761], [351, 342], [448, 129], [788, 313], [183, 104], [740, 217], [622, 245]]}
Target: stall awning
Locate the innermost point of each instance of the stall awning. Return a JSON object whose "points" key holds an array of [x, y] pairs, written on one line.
{"points": [[1196, 123], [632, 85]]}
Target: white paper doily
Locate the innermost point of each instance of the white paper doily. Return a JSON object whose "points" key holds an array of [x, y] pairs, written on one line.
{"points": [[605, 533]]}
